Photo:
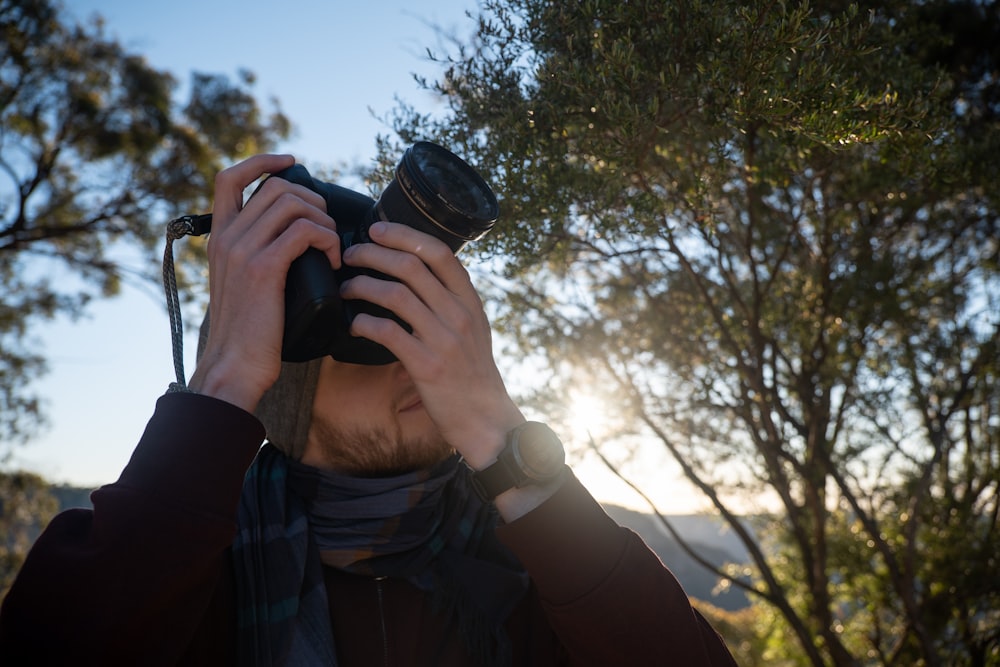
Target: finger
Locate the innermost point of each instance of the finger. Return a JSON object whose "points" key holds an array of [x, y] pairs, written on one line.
{"points": [[269, 214], [409, 349], [262, 270], [445, 329], [436, 296], [403, 266], [432, 251], [273, 191], [427, 322], [300, 235], [423, 263], [417, 296], [277, 209], [231, 182]]}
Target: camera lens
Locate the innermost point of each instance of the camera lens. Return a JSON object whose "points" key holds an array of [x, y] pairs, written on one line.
{"points": [[437, 192]]}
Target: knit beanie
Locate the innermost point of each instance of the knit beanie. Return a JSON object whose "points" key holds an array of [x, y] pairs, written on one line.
{"points": [[286, 408]]}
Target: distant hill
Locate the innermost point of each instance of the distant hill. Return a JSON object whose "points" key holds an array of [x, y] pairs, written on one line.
{"points": [[709, 536], [71, 496]]}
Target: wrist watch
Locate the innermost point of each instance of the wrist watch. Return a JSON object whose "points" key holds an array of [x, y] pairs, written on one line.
{"points": [[533, 454]]}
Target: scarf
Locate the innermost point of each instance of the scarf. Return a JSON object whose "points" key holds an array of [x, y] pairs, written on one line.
{"points": [[427, 527]]}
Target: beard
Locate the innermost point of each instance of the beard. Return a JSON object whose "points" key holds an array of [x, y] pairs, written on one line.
{"points": [[375, 451]]}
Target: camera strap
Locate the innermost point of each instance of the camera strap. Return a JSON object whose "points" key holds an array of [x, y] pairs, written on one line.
{"points": [[186, 225]]}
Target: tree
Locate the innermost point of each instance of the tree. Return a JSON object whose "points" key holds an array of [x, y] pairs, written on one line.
{"points": [[26, 506], [771, 230], [95, 155]]}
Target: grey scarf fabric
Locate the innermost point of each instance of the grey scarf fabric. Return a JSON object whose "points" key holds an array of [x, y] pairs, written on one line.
{"points": [[427, 527]]}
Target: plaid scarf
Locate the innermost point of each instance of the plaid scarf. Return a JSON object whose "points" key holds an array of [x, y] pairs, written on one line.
{"points": [[427, 527]]}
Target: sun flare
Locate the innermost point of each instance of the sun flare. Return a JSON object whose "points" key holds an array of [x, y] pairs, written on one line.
{"points": [[587, 415]]}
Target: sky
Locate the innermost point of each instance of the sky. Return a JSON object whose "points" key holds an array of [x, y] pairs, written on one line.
{"points": [[331, 64]]}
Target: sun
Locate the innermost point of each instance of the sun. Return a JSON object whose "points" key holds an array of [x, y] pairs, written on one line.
{"points": [[587, 417]]}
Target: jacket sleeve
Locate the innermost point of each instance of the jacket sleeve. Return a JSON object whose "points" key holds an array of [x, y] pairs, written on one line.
{"points": [[608, 597], [129, 581]]}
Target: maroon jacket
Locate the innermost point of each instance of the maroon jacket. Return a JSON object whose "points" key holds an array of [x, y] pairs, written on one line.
{"points": [[145, 578]]}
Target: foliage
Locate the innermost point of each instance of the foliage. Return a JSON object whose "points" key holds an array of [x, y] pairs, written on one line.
{"points": [[771, 230], [26, 506], [95, 155], [740, 631]]}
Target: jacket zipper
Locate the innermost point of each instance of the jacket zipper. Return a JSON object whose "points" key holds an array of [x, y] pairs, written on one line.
{"points": [[381, 614]]}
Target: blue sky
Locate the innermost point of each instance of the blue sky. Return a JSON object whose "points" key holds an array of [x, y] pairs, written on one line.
{"points": [[328, 63]]}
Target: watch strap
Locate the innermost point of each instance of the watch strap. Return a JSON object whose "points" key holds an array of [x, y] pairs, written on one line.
{"points": [[504, 473], [496, 478]]}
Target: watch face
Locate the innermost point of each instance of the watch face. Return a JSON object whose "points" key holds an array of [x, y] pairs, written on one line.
{"points": [[539, 452]]}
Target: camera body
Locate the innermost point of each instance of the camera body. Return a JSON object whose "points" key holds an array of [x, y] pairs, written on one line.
{"points": [[433, 191]]}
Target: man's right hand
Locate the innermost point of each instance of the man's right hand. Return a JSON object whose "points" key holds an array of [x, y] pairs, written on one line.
{"points": [[249, 252]]}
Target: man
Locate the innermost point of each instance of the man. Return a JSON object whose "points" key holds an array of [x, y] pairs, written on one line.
{"points": [[358, 536]]}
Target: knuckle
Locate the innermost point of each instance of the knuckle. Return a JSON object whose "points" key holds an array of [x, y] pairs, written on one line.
{"points": [[396, 295], [410, 265], [439, 252], [212, 247], [380, 329], [218, 245], [464, 324], [224, 178], [288, 201], [264, 270], [272, 184], [300, 226], [240, 255], [435, 365]]}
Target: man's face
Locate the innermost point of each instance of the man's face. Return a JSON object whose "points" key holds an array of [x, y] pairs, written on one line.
{"points": [[368, 421]]}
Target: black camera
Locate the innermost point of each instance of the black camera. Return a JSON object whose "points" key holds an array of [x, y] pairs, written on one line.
{"points": [[433, 191]]}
